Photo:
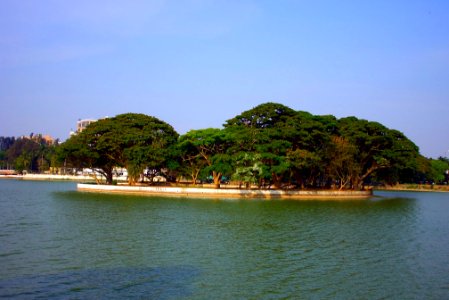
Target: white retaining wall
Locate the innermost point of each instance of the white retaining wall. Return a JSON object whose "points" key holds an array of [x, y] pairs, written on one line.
{"points": [[224, 193]]}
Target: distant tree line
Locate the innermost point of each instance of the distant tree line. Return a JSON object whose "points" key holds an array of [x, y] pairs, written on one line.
{"points": [[270, 145], [30, 153]]}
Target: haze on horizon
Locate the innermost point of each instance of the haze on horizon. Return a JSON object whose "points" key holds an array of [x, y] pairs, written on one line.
{"points": [[196, 63]]}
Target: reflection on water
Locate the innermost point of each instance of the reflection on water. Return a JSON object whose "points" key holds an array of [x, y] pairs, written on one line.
{"points": [[392, 246], [119, 283]]}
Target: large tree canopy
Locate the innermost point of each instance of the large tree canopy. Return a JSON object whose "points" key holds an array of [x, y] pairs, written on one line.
{"points": [[375, 147], [134, 141], [269, 145], [303, 149], [258, 137], [262, 116]]}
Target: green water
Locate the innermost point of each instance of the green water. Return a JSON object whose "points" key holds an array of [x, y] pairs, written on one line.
{"points": [[57, 243]]}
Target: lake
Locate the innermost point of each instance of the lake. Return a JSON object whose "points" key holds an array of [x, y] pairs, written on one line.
{"points": [[57, 243]]}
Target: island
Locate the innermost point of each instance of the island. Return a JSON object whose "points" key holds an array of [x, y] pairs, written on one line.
{"points": [[269, 151]]}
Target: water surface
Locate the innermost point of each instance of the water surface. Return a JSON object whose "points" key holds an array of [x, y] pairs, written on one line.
{"points": [[58, 243]]}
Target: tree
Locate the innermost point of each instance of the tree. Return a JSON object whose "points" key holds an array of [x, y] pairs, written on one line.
{"points": [[6, 142], [260, 132], [23, 155], [78, 152], [306, 166], [248, 168], [265, 115], [377, 147], [438, 170], [270, 144], [192, 161], [134, 141], [31, 154], [206, 147], [3, 163], [310, 137], [343, 165]]}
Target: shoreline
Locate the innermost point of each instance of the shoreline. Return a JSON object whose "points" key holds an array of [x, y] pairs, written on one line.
{"points": [[238, 193], [49, 177], [415, 188], [225, 192]]}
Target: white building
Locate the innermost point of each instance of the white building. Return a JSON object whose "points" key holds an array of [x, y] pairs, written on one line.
{"points": [[82, 124]]}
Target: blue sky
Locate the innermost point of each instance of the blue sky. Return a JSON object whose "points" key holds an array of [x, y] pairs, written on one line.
{"points": [[197, 63]]}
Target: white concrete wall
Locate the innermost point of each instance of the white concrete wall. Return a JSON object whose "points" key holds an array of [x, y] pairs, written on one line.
{"points": [[232, 193]]}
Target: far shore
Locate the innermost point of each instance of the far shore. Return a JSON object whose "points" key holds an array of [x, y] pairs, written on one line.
{"points": [[415, 188], [50, 177]]}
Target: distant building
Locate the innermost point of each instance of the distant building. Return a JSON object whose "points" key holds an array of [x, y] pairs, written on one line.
{"points": [[38, 138], [48, 139], [82, 124]]}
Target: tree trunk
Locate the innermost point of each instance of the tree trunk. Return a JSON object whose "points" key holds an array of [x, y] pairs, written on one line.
{"points": [[217, 179], [194, 174], [109, 177], [276, 180]]}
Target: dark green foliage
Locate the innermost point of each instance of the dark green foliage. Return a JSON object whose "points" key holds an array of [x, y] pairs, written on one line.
{"points": [[377, 148], [270, 145], [262, 116], [134, 141], [31, 154], [439, 170], [273, 145], [205, 150]]}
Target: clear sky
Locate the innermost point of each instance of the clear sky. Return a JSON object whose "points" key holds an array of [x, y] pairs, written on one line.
{"points": [[197, 63]]}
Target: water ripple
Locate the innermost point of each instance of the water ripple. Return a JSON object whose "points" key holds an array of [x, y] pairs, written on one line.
{"points": [[57, 243], [153, 283]]}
